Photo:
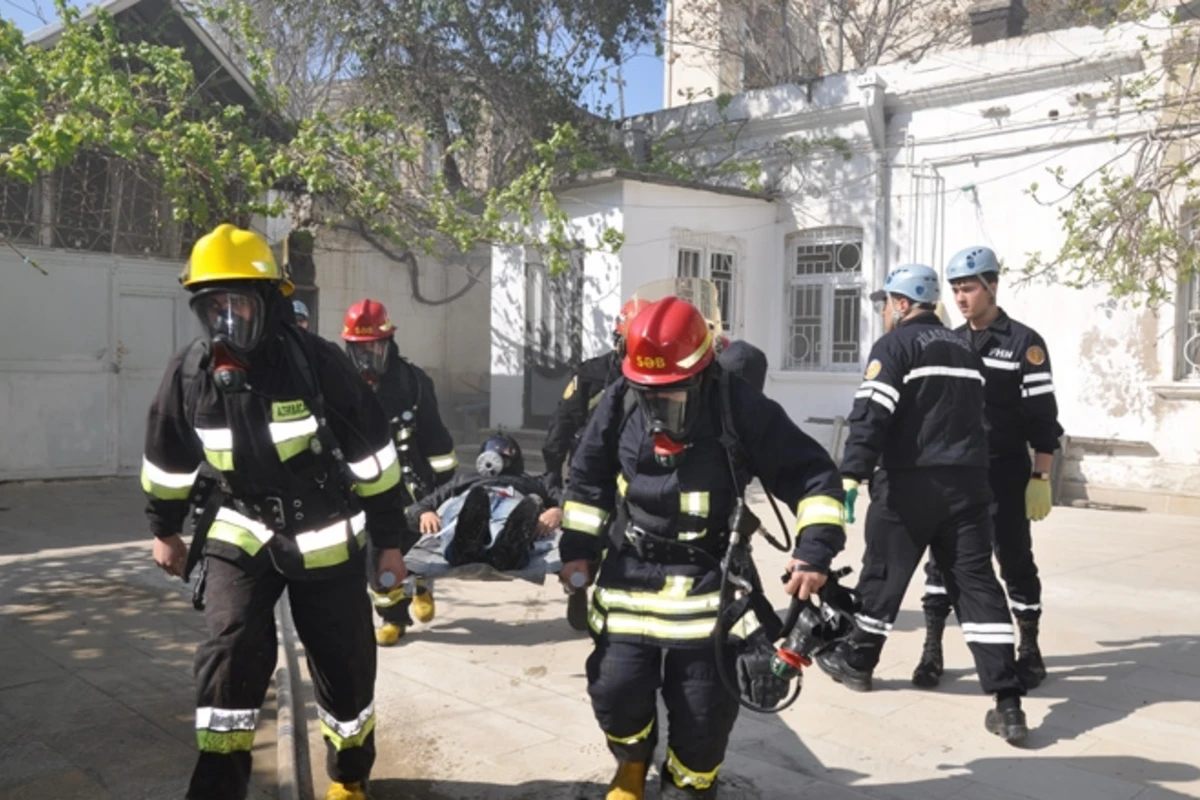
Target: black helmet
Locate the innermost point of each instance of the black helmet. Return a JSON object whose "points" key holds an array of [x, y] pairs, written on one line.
{"points": [[500, 455]]}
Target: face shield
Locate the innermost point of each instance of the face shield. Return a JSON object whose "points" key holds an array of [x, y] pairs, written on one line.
{"points": [[370, 358], [233, 317], [670, 410]]}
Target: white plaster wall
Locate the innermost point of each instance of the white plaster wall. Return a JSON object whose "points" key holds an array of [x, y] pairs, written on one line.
{"points": [[691, 63], [507, 355], [591, 210], [969, 131], [449, 341]]}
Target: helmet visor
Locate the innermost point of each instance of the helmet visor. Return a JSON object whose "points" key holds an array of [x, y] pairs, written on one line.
{"points": [[370, 358], [669, 409], [232, 317]]}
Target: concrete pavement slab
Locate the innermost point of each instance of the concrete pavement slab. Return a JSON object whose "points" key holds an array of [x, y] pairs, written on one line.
{"points": [[96, 647], [1118, 718]]}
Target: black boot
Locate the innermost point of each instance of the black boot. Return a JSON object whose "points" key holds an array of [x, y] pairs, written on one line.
{"points": [[1030, 666], [1007, 720], [929, 670], [511, 549], [472, 530], [834, 664]]}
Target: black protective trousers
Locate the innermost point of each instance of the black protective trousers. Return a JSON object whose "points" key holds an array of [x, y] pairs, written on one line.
{"points": [[624, 680], [1008, 475], [234, 668], [945, 510]]}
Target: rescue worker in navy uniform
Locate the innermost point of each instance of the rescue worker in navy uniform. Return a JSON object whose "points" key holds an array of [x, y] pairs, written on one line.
{"points": [[1021, 413], [651, 470], [579, 399], [919, 417], [270, 408], [426, 449]]}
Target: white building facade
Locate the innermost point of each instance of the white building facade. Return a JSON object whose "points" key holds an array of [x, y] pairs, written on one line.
{"points": [[908, 163]]}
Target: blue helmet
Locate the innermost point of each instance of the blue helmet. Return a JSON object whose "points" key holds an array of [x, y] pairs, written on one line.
{"points": [[917, 282], [300, 309], [972, 263]]}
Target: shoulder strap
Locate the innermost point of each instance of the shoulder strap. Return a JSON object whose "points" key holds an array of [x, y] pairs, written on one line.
{"points": [[190, 375], [738, 462], [302, 358]]}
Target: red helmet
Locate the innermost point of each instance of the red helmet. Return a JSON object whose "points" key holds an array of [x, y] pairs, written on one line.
{"points": [[628, 312], [366, 321], [667, 342]]}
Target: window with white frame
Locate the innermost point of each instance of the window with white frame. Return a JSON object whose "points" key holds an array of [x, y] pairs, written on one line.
{"points": [[715, 261], [824, 300]]}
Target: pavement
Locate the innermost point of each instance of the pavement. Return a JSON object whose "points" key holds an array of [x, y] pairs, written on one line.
{"points": [[96, 646], [488, 701]]}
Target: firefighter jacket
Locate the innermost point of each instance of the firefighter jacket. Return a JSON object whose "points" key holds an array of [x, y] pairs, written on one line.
{"points": [[526, 484], [1020, 389], [285, 495], [578, 401], [615, 480], [427, 455], [921, 404]]}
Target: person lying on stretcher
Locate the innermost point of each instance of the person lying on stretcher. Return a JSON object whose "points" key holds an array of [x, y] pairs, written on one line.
{"points": [[495, 516]]}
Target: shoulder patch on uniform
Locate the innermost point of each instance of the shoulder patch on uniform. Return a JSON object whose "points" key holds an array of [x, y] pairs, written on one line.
{"points": [[569, 392], [873, 369], [1036, 356]]}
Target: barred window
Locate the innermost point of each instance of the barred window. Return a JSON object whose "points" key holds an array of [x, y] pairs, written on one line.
{"points": [[716, 261], [824, 312]]}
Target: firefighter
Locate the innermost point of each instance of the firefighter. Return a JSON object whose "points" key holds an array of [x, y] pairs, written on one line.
{"points": [[301, 312], [427, 455], [651, 470], [1021, 413], [307, 473], [919, 416], [578, 401]]}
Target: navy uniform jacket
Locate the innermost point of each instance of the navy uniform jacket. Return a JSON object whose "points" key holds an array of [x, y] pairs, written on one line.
{"points": [[578, 401], [675, 604], [1020, 390], [406, 387], [921, 404], [262, 444]]}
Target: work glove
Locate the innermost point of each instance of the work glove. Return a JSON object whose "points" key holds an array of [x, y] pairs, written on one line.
{"points": [[1037, 499], [756, 682], [850, 486]]}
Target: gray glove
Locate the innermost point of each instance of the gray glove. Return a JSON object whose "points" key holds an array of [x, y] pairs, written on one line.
{"points": [[757, 683]]}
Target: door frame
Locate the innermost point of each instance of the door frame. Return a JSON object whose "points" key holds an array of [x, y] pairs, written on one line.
{"points": [[537, 365]]}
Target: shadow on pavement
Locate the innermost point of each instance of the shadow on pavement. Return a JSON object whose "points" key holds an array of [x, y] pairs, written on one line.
{"points": [[96, 692], [1101, 687], [477, 632], [469, 790], [61, 514]]}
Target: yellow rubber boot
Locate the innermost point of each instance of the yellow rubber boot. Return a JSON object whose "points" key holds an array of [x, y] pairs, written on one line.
{"points": [[388, 634], [629, 783], [346, 791], [423, 607]]}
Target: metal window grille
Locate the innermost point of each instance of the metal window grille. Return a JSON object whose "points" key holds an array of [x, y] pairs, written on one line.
{"points": [[689, 263], [720, 272], [717, 266], [825, 303], [19, 203], [1189, 329]]}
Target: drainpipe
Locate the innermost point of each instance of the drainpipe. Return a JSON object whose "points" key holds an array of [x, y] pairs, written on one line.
{"points": [[871, 89]]}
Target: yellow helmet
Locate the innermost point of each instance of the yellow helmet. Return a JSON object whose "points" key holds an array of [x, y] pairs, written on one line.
{"points": [[232, 254]]}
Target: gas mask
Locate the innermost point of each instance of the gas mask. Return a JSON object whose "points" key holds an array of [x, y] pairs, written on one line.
{"points": [[234, 319], [669, 412], [369, 358]]}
